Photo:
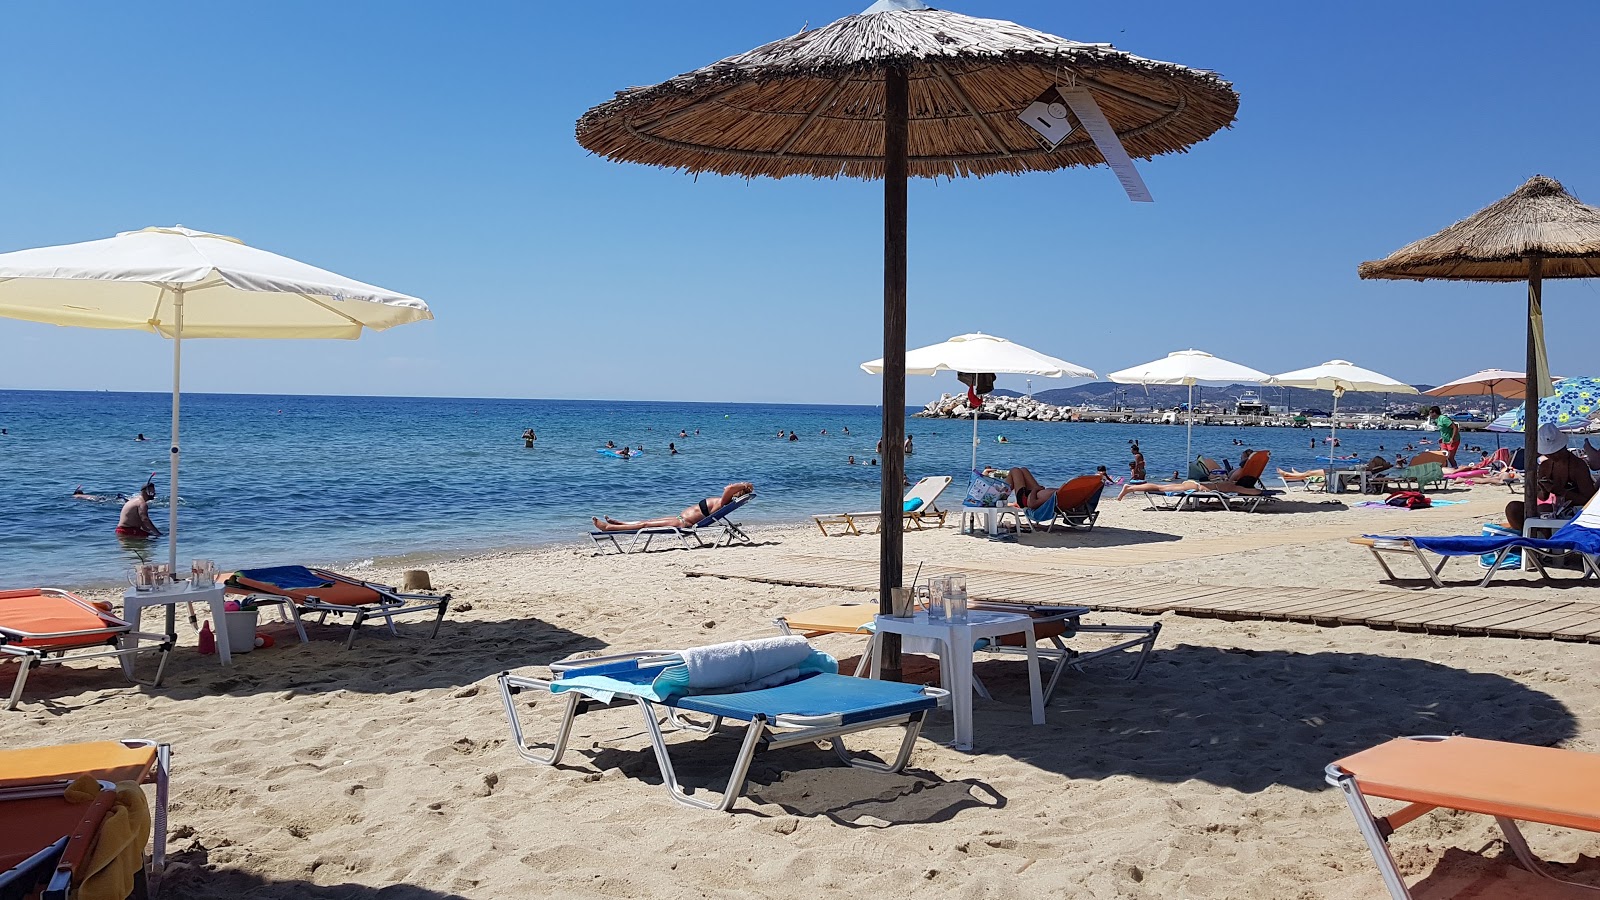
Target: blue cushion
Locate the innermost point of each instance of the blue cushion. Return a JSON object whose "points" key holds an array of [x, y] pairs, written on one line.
{"points": [[914, 504], [856, 699]]}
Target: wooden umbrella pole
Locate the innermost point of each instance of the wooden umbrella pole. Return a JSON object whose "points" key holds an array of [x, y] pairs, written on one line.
{"points": [[891, 549], [1530, 394]]}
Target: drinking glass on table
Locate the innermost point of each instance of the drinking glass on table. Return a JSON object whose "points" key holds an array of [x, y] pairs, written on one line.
{"points": [[936, 589], [955, 598], [203, 573]]}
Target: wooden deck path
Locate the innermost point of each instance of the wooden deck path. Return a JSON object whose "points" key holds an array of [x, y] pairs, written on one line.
{"points": [[1434, 612]]}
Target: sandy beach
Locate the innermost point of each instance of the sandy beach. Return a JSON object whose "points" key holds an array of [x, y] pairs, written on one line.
{"points": [[310, 771]]}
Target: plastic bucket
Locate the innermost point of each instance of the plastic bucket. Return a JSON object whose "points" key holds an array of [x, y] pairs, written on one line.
{"points": [[241, 629]]}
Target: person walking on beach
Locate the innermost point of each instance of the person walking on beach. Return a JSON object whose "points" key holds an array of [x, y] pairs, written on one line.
{"points": [[135, 519], [1449, 434], [686, 519]]}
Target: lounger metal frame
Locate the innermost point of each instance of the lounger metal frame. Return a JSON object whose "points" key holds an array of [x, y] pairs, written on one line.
{"points": [[761, 733], [1176, 500], [112, 635], [391, 603], [1377, 829], [732, 532], [1406, 547]]}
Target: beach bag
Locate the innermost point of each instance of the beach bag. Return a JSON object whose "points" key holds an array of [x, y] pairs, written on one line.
{"points": [[986, 491], [1409, 500], [1513, 559]]}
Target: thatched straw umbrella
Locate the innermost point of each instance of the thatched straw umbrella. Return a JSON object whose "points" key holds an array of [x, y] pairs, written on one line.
{"points": [[897, 91], [1539, 231]]}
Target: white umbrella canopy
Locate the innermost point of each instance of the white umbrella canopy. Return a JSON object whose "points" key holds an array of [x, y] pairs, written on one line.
{"points": [[181, 283], [982, 353], [1190, 367], [1339, 376], [979, 352]]}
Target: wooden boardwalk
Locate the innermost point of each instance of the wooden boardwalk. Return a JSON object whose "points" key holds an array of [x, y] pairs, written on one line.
{"points": [[1434, 611]]}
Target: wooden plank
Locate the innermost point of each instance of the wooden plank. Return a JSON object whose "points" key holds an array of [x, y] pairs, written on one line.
{"points": [[1307, 599], [1482, 625], [1391, 600], [1543, 624], [1471, 614], [1409, 607], [1354, 601]]}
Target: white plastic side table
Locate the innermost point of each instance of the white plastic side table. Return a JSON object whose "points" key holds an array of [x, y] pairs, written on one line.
{"points": [[955, 660], [1529, 526], [990, 515], [134, 603]]}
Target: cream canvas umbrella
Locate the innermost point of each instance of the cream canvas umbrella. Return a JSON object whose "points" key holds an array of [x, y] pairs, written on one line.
{"points": [[905, 90], [1489, 383], [980, 353], [1536, 232], [1190, 367], [181, 283], [1339, 376]]}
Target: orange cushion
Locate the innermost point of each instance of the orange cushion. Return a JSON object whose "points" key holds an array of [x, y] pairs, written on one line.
{"points": [[341, 593], [28, 826], [1077, 492], [107, 760], [40, 613], [1255, 466], [1518, 781]]}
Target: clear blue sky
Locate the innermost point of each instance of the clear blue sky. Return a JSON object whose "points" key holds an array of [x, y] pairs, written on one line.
{"points": [[428, 148]]}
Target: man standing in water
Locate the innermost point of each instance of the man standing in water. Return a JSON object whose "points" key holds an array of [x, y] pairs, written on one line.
{"points": [[135, 521]]}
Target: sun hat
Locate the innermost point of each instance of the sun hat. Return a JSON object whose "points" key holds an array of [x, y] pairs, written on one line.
{"points": [[1551, 439]]}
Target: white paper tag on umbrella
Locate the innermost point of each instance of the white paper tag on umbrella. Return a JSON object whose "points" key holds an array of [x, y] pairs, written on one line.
{"points": [[1105, 138], [1047, 115]]}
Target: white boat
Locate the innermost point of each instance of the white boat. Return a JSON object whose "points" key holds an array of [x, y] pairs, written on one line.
{"points": [[1249, 404]]}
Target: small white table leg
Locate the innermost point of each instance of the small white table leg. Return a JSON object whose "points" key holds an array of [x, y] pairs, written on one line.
{"points": [[219, 628], [131, 613], [959, 649]]}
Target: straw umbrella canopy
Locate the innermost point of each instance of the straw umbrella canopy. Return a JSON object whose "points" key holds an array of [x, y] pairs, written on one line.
{"points": [[979, 353], [1485, 383], [903, 90], [1539, 231], [180, 283], [1339, 376], [1189, 367]]}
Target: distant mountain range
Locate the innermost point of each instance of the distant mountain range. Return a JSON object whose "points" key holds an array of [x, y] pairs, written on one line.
{"points": [[1106, 393]]}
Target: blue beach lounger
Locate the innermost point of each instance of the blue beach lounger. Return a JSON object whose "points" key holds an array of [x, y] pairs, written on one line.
{"points": [[790, 694], [1580, 536], [731, 531]]}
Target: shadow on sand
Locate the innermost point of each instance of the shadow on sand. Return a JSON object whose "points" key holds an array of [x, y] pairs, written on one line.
{"points": [[1249, 719], [187, 876], [379, 662]]}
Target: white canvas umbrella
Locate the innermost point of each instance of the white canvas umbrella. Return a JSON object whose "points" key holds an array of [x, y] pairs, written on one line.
{"points": [[1339, 376], [980, 353], [181, 284], [1190, 367]]}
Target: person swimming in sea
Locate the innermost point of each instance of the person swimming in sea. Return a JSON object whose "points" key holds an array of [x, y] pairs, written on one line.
{"points": [[1002, 439], [672, 448], [78, 493], [611, 445], [141, 437]]}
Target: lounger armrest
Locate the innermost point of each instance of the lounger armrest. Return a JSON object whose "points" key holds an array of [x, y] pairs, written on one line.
{"points": [[516, 683]]}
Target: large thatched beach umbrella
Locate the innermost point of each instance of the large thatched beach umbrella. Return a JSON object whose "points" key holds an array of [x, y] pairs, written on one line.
{"points": [[904, 90], [1539, 231]]}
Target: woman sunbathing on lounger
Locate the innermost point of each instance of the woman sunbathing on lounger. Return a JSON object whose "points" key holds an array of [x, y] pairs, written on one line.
{"points": [[1026, 490], [1226, 487], [686, 519]]}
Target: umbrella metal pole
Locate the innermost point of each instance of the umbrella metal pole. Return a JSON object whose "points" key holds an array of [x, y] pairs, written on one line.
{"points": [[172, 481], [1188, 441], [891, 547], [974, 440], [1530, 393]]}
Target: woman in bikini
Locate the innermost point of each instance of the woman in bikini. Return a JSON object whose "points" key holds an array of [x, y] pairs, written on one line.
{"points": [[686, 519], [1026, 490]]}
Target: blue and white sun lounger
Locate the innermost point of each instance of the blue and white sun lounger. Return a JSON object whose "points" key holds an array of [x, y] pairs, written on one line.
{"points": [[731, 531], [1580, 536], [817, 705]]}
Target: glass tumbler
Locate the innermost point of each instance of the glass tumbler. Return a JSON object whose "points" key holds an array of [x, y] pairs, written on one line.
{"points": [[955, 598], [936, 592]]}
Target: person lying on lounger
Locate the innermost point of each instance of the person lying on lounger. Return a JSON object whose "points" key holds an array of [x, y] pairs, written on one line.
{"points": [[1298, 475], [1026, 491], [1226, 487], [686, 519]]}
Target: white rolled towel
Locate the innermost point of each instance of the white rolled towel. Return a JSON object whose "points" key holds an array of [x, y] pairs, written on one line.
{"points": [[742, 662]]}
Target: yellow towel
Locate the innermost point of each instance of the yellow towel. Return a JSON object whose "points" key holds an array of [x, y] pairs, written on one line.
{"points": [[118, 855]]}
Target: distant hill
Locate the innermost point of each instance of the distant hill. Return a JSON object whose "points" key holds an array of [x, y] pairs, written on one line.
{"points": [[1106, 393]]}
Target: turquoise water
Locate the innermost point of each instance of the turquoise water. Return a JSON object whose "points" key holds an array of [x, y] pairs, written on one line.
{"points": [[269, 479]]}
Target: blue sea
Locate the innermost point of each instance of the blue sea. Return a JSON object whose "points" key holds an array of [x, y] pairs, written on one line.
{"points": [[278, 479]]}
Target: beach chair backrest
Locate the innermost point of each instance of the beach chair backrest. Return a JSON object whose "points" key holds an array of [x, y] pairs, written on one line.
{"points": [[724, 510], [1588, 518], [927, 490], [1255, 466], [1078, 492]]}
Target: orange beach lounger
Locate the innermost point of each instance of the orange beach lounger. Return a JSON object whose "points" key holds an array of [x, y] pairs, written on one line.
{"points": [[1512, 782], [32, 812], [46, 626], [329, 593]]}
